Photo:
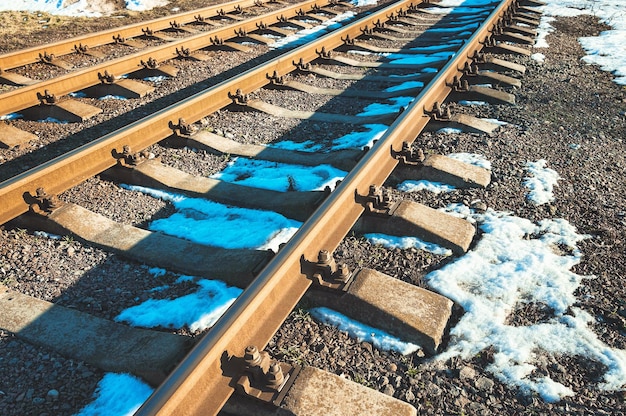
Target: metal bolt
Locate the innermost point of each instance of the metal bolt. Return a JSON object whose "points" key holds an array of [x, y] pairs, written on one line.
{"points": [[343, 273], [252, 356], [275, 376], [324, 257]]}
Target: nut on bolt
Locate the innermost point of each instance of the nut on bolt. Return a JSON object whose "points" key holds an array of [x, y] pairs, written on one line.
{"points": [[252, 356], [275, 376]]}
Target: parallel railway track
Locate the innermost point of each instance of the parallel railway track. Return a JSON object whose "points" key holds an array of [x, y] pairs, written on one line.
{"points": [[199, 384]]}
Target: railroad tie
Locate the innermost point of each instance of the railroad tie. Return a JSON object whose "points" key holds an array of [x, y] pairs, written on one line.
{"points": [[235, 267], [316, 393], [410, 218], [124, 87], [277, 111], [100, 342], [11, 137], [480, 93], [409, 312], [65, 109], [439, 168], [343, 159], [465, 123], [151, 173], [12, 78]]}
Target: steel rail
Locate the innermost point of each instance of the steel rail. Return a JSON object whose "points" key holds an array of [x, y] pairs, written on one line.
{"points": [[27, 96], [198, 386], [64, 47]]}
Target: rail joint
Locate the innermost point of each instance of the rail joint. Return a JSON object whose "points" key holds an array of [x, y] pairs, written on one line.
{"points": [[128, 158], [378, 201], [326, 273], [42, 203], [182, 129], [261, 377], [238, 97], [409, 155]]}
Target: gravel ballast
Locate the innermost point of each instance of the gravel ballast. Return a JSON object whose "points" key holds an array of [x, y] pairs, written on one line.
{"points": [[569, 113]]}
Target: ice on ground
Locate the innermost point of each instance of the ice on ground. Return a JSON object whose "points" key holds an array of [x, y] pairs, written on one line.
{"points": [[52, 120], [157, 271], [392, 106], [143, 5], [78, 8], [117, 394], [353, 140], [391, 241], [472, 158], [197, 311], [360, 139], [436, 187], [156, 79], [197, 219], [517, 262], [307, 35], [438, 48], [473, 102], [450, 130], [542, 182], [362, 3], [405, 86], [280, 176], [113, 97], [538, 57], [380, 339], [607, 50], [422, 185], [407, 59]]}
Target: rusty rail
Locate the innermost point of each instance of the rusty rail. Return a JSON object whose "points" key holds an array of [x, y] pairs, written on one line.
{"points": [[26, 56], [198, 385], [28, 96]]}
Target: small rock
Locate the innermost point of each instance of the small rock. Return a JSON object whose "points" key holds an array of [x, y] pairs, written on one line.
{"points": [[461, 402], [389, 390], [409, 395], [467, 373], [479, 205], [526, 400], [432, 390], [70, 251], [484, 384], [39, 400], [392, 367], [53, 395], [476, 408]]}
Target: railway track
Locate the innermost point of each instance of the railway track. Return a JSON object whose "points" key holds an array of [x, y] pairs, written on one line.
{"points": [[205, 379]]}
